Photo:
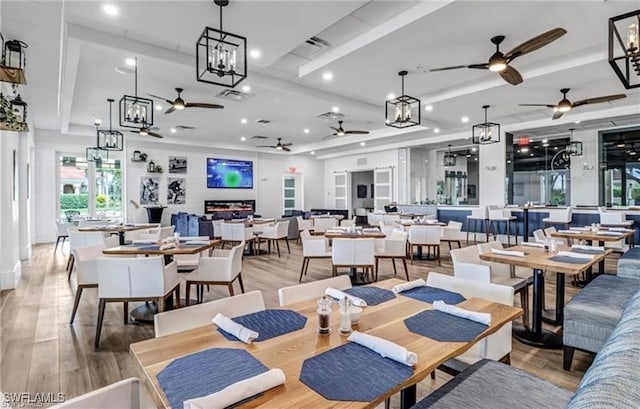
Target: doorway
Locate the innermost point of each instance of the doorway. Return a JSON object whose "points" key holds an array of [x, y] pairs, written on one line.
{"points": [[362, 194]]}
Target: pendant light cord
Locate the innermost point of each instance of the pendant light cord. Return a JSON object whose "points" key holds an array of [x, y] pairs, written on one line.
{"points": [[136, 78]]}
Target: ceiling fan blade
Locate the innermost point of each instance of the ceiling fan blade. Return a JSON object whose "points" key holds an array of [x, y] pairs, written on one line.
{"points": [[155, 135], [168, 101], [455, 67], [511, 75], [287, 144], [484, 66], [356, 132], [185, 127], [284, 148], [537, 105], [557, 115], [536, 43], [334, 128], [599, 100], [202, 105], [267, 146], [324, 138], [135, 132], [170, 110]]}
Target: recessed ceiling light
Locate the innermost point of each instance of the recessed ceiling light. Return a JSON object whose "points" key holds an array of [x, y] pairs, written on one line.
{"points": [[173, 130], [243, 121], [335, 109], [474, 149], [246, 88], [391, 96], [465, 119], [327, 75], [362, 143], [475, 158], [576, 122], [509, 161], [97, 122], [428, 108], [110, 9], [158, 107], [525, 150], [436, 130], [255, 53], [545, 141], [243, 138], [306, 130], [131, 62], [555, 148], [546, 145], [313, 152]]}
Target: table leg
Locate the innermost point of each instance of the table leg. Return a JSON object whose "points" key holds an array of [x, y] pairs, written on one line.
{"points": [[121, 236], [525, 224], [145, 313], [408, 397], [601, 263], [558, 317], [537, 337]]}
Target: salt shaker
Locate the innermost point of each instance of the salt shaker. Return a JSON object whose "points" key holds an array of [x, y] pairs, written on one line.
{"points": [[324, 312], [345, 316]]}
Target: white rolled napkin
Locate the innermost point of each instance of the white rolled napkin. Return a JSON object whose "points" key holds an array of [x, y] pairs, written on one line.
{"points": [[243, 333], [385, 348], [623, 229], [508, 252], [238, 391], [168, 246], [339, 295], [532, 244], [144, 241], [580, 228], [169, 239], [609, 233], [408, 286], [588, 248], [481, 317], [196, 242], [581, 256], [569, 231]]}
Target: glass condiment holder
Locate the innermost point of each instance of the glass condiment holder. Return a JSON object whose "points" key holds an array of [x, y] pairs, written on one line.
{"points": [[345, 316], [324, 314]]}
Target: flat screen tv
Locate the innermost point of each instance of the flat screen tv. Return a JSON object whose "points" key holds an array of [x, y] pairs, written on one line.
{"points": [[229, 174]]}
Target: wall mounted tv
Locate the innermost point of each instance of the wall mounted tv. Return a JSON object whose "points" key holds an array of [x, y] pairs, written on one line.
{"points": [[229, 174]]}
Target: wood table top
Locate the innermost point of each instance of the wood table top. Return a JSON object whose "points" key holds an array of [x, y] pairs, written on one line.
{"points": [[539, 259], [143, 249], [288, 352], [359, 234], [119, 228], [589, 235]]}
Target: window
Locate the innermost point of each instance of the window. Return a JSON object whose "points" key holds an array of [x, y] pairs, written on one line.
{"points": [[289, 193]]}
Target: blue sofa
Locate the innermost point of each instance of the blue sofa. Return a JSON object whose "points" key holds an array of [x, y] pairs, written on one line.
{"points": [[191, 224]]}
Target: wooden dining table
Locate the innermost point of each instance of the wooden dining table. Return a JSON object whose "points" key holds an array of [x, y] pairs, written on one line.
{"points": [[288, 352], [358, 234], [119, 229], [539, 261]]}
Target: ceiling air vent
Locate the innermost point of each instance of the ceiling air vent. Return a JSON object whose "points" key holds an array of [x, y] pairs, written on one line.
{"points": [[361, 161], [259, 137], [331, 116], [310, 48], [234, 95], [263, 121]]}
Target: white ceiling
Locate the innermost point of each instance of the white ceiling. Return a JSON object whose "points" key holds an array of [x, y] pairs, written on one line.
{"points": [[74, 48]]}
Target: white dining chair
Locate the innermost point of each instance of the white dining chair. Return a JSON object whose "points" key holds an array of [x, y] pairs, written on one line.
{"points": [[452, 233], [387, 228], [549, 231], [217, 228], [558, 216], [188, 262], [86, 271], [122, 279], [353, 253], [303, 224], [235, 233], [321, 224], [348, 222], [275, 233], [124, 394], [498, 215], [390, 219], [425, 236], [62, 232], [539, 236], [313, 247], [200, 315], [392, 247], [307, 291], [374, 219], [79, 239], [496, 346], [223, 267], [478, 214], [613, 217]]}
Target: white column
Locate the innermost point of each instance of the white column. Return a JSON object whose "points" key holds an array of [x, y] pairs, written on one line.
{"points": [[24, 152], [9, 215], [584, 169], [492, 173]]}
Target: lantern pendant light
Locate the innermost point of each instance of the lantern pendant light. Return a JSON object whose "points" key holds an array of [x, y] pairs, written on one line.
{"points": [[486, 132], [404, 111], [110, 139], [575, 147], [136, 112], [449, 159], [96, 153], [13, 62]]}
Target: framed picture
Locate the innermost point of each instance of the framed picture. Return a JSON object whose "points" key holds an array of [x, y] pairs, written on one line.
{"points": [[176, 191], [149, 190], [471, 191], [362, 191], [177, 164]]}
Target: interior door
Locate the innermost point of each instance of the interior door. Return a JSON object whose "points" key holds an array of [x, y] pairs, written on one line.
{"points": [[382, 187], [341, 191]]}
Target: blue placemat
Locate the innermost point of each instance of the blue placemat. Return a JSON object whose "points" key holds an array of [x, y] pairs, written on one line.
{"points": [[567, 259], [206, 372], [190, 245], [152, 248], [371, 295], [352, 372], [269, 323], [585, 251], [430, 294], [444, 327]]}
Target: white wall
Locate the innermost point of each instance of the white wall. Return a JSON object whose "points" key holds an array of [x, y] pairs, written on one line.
{"points": [[493, 171], [355, 163], [267, 191], [584, 182]]}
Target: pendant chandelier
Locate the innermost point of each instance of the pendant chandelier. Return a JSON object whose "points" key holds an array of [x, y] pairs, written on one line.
{"points": [[13, 61], [221, 57], [404, 111], [449, 159], [624, 48], [136, 112], [575, 147], [110, 139], [486, 132], [96, 153]]}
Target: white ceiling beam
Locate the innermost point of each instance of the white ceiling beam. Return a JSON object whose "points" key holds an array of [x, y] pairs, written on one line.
{"points": [[68, 82], [89, 35], [420, 10]]}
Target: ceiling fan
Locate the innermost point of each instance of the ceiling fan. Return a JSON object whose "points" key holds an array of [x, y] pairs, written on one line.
{"points": [[179, 103], [339, 131], [565, 105], [279, 146], [499, 62], [148, 131]]}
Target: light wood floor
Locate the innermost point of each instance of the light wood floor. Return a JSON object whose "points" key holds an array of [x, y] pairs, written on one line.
{"points": [[41, 352]]}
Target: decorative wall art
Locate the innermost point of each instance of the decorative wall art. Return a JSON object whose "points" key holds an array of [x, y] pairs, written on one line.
{"points": [[177, 164], [176, 191], [149, 190]]}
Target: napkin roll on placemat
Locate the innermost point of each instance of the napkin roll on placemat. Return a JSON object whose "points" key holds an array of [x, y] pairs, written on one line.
{"points": [[385, 348], [408, 286], [339, 295], [481, 317], [244, 334]]}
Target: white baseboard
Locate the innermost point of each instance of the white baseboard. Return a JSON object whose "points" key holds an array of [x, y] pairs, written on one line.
{"points": [[25, 252], [9, 279]]}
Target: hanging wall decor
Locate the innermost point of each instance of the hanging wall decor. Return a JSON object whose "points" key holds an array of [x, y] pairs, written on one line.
{"points": [[13, 114], [12, 64], [149, 190], [176, 191]]}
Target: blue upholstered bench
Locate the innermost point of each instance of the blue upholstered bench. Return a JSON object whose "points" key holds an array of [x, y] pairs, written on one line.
{"points": [[611, 382]]}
